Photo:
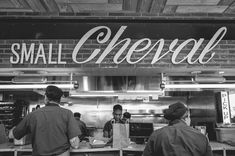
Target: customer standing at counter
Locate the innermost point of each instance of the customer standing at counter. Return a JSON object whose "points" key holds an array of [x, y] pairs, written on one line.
{"points": [[53, 128], [108, 127], [178, 138], [81, 125]]}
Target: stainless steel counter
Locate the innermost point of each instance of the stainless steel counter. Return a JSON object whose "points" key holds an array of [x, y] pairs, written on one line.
{"points": [[86, 148]]}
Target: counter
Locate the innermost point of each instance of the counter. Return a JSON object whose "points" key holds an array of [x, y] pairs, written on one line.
{"points": [[85, 149]]}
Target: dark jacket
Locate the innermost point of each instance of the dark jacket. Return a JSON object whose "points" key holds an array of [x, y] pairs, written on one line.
{"points": [[177, 139], [51, 127]]}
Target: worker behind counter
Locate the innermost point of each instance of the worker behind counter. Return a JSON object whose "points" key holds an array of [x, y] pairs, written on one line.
{"points": [[126, 117], [108, 127], [82, 126], [178, 138], [53, 128]]}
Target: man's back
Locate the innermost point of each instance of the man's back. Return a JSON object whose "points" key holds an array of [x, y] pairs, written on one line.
{"points": [[177, 140], [50, 126]]}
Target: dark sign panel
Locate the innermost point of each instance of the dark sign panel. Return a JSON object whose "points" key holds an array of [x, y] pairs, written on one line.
{"points": [[136, 29]]}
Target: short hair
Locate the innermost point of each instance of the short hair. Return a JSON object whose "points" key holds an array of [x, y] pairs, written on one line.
{"points": [[117, 107], [127, 115], [77, 114], [53, 93]]}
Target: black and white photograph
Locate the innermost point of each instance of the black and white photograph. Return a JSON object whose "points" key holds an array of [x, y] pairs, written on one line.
{"points": [[117, 77]]}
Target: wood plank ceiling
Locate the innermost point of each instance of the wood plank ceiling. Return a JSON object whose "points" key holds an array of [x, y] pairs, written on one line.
{"points": [[120, 6]]}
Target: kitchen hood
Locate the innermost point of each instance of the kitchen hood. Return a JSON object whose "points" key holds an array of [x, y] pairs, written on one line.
{"points": [[119, 86]]}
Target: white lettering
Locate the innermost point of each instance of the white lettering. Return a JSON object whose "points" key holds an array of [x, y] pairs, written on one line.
{"points": [[40, 54], [159, 50], [126, 41], [220, 33], [196, 46], [25, 56], [85, 37], [50, 55], [13, 46], [133, 49], [120, 47], [59, 55], [113, 45]]}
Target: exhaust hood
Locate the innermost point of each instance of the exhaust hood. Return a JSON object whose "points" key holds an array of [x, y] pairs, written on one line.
{"points": [[119, 86]]}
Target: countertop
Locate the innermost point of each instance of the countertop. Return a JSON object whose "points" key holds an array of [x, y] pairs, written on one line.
{"points": [[85, 147]]}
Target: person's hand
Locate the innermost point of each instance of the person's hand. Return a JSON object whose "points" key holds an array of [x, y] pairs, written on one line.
{"points": [[74, 142], [10, 135]]}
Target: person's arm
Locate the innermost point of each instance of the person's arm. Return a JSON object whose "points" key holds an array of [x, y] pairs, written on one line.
{"points": [[86, 131], [73, 131], [106, 130], [22, 128], [208, 149], [74, 142], [148, 150]]}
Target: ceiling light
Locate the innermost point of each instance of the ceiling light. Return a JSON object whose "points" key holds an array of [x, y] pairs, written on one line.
{"points": [[205, 86], [35, 86]]}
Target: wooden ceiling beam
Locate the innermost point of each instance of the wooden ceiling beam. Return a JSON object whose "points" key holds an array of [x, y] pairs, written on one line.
{"points": [[36, 5], [170, 9], [192, 2], [16, 3], [225, 2], [230, 9], [88, 1], [115, 1], [24, 4], [145, 5], [15, 10], [65, 8], [130, 5], [201, 9], [157, 6], [96, 7], [50, 5], [6, 4]]}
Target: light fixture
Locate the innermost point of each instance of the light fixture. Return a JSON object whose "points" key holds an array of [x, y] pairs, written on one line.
{"points": [[115, 93], [209, 79], [35, 86], [203, 86], [93, 94]]}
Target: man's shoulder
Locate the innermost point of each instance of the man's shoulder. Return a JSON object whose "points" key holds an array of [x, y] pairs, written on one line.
{"points": [[56, 108], [108, 124]]}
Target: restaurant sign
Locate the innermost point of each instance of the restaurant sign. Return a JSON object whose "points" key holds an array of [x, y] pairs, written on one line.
{"points": [[36, 52]]}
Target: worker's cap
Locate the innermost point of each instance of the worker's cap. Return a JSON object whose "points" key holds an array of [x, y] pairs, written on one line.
{"points": [[175, 111]]}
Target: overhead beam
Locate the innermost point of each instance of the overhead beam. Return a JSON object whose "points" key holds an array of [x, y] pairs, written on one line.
{"points": [[225, 2], [192, 2], [130, 5], [170, 9], [230, 9], [96, 7], [50, 5], [36, 5], [157, 6], [145, 5], [201, 9]]}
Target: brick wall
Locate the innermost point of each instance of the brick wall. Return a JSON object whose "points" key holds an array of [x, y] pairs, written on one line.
{"points": [[224, 56]]}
